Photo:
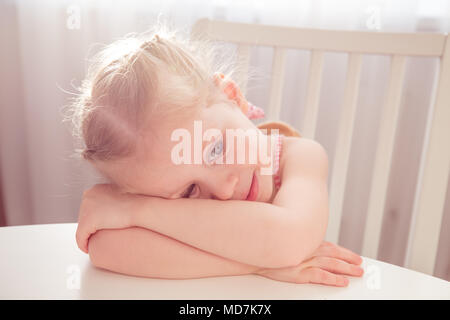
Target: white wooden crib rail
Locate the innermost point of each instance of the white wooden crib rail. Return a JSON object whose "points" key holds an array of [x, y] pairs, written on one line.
{"points": [[434, 167]]}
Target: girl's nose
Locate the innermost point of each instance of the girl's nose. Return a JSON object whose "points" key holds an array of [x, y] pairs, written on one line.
{"points": [[225, 190]]}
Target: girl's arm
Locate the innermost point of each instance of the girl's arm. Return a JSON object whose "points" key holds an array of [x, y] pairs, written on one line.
{"points": [[142, 252], [255, 233]]}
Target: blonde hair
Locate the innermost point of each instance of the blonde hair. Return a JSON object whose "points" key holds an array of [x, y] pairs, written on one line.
{"points": [[137, 81]]}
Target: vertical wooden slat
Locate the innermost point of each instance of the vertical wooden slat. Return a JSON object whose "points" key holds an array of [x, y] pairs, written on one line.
{"points": [[343, 147], [276, 87], [433, 178], [383, 157], [243, 56], [312, 95]]}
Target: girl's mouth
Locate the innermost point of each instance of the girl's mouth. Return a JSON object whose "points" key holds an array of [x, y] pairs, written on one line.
{"points": [[254, 188]]}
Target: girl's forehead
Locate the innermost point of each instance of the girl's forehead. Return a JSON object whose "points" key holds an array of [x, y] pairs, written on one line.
{"points": [[166, 179], [166, 133], [212, 116], [155, 177]]}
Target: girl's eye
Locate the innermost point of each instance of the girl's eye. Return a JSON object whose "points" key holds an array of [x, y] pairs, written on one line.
{"points": [[189, 191], [215, 152]]}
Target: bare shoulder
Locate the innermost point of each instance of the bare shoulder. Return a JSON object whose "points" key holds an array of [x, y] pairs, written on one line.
{"points": [[305, 157]]}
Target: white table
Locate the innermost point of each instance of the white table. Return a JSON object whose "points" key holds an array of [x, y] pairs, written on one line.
{"points": [[44, 262]]}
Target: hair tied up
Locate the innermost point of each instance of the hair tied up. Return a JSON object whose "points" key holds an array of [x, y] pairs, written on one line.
{"points": [[149, 43]]}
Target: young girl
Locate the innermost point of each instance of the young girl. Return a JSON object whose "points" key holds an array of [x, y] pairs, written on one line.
{"points": [[218, 217]]}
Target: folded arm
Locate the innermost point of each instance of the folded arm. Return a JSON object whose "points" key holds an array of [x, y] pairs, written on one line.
{"points": [[256, 233], [145, 253]]}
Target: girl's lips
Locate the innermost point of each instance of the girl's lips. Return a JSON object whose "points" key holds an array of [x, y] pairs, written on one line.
{"points": [[254, 188]]}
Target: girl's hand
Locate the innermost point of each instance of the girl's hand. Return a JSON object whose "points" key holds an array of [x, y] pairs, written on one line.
{"points": [[103, 207], [325, 266]]}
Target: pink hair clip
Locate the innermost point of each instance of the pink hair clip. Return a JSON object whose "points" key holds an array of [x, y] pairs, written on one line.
{"points": [[254, 112]]}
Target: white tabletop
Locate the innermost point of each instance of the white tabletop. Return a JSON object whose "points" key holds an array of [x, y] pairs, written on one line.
{"points": [[44, 262]]}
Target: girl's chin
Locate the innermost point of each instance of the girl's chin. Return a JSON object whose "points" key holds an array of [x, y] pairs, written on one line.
{"points": [[265, 190]]}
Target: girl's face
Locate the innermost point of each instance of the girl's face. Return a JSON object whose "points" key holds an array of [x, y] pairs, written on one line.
{"points": [[160, 176]]}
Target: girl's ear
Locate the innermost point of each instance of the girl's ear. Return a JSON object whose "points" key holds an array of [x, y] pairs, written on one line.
{"points": [[231, 89]]}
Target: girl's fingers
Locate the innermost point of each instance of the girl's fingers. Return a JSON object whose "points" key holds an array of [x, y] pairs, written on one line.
{"points": [[336, 266], [320, 276], [333, 250], [82, 241]]}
